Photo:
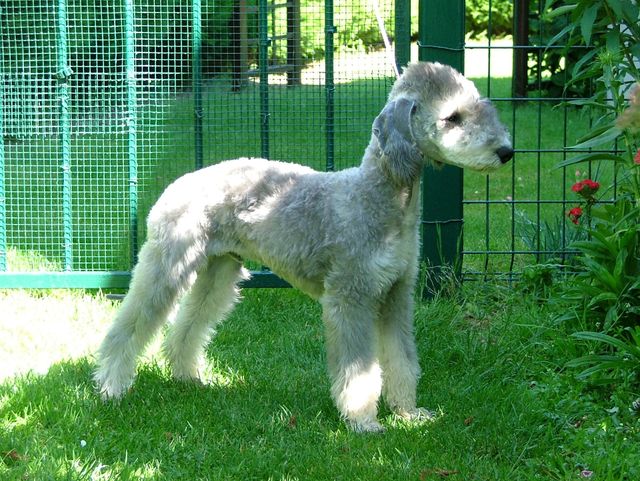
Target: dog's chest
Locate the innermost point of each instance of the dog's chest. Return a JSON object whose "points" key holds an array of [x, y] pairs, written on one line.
{"points": [[393, 256]]}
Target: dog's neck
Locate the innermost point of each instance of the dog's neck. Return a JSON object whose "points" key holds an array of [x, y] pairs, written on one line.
{"points": [[376, 164], [376, 170]]}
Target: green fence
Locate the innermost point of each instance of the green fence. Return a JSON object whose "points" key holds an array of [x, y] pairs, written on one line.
{"points": [[103, 103], [106, 102], [518, 216]]}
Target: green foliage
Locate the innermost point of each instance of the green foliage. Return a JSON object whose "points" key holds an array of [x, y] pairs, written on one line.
{"points": [[552, 238], [623, 363], [479, 18], [549, 69], [605, 294], [608, 286]]}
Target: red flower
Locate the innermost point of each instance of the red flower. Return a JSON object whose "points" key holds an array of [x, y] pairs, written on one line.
{"points": [[586, 188], [636, 158], [575, 214]]}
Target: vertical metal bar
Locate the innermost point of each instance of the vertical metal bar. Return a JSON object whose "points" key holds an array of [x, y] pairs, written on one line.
{"points": [[239, 47], [441, 34], [132, 125], [197, 81], [403, 33], [63, 74], [264, 43], [3, 198], [294, 50], [487, 227], [487, 206], [521, 39], [513, 199], [330, 89]]}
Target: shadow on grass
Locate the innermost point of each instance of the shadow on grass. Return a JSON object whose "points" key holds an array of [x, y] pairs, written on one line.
{"points": [[270, 416], [58, 428]]}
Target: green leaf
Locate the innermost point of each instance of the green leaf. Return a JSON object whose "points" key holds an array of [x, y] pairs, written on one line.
{"points": [[621, 261], [597, 131], [630, 14], [604, 297], [587, 20], [609, 340], [594, 249], [558, 12], [591, 359], [616, 7], [602, 274], [604, 240], [608, 135], [569, 28], [588, 103], [613, 40], [588, 158], [587, 59]]}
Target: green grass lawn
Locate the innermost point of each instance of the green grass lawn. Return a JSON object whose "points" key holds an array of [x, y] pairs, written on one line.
{"points": [[493, 371]]}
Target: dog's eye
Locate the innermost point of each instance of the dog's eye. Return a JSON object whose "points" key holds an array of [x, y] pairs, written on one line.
{"points": [[455, 118]]}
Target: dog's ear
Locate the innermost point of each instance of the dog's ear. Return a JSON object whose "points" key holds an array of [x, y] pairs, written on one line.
{"points": [[393, 130]]}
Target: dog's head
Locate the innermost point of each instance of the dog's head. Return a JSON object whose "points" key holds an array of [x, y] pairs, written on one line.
{"points": [[435, 113]]}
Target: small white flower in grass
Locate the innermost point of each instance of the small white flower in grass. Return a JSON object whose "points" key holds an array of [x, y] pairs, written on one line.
{"points": [[585, 473], [83, 443]]}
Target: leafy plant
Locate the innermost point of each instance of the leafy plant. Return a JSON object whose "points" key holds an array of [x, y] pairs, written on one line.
{"points": [[611, 28], [549, 69], [622, 362], [608, 285], [605, 294], [549, 238], [480, 14]]}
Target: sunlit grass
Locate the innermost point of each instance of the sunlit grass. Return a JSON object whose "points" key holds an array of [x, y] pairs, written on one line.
{"points": [[492, 369]]}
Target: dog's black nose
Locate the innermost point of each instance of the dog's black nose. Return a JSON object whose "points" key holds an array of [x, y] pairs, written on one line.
{"points": [[505, 154]]}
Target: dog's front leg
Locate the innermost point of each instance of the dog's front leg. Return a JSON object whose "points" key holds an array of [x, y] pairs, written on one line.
{"points": [[398, 354], [353, 366]]}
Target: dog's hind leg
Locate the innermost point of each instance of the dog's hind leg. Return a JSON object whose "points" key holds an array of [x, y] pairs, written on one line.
{"points": [[209, 300], [353, 366], [158, 278]]}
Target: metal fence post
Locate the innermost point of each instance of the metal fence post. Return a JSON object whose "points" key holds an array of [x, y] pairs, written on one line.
{"points": [[264, 42], [132, 125], [441, 38], [197, 81], [330, 89], [402, 33], [62, 76], [3, 199]]}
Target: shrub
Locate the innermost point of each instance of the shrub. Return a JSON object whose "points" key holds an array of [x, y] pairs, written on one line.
{"points": [[605, 295], [478, 18]]}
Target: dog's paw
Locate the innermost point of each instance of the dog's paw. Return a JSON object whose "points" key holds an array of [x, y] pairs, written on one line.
{"points": [[366, 426], [109, 386], [111, 392], [419, 415], [192, 372]]}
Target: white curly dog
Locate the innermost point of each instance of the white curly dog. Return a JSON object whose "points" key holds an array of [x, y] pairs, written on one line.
{"points": [[348, 239]]}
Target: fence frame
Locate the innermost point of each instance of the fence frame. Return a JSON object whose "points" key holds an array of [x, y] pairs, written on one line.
{"points": [[440, 39], [69, 278]]}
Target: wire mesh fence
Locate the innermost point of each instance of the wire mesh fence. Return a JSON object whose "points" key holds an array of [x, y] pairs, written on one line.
{"points": [[104, 103], [518, 216]]}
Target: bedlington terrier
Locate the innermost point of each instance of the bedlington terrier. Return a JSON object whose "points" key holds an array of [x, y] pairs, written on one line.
{"points": [[348, 239]]}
